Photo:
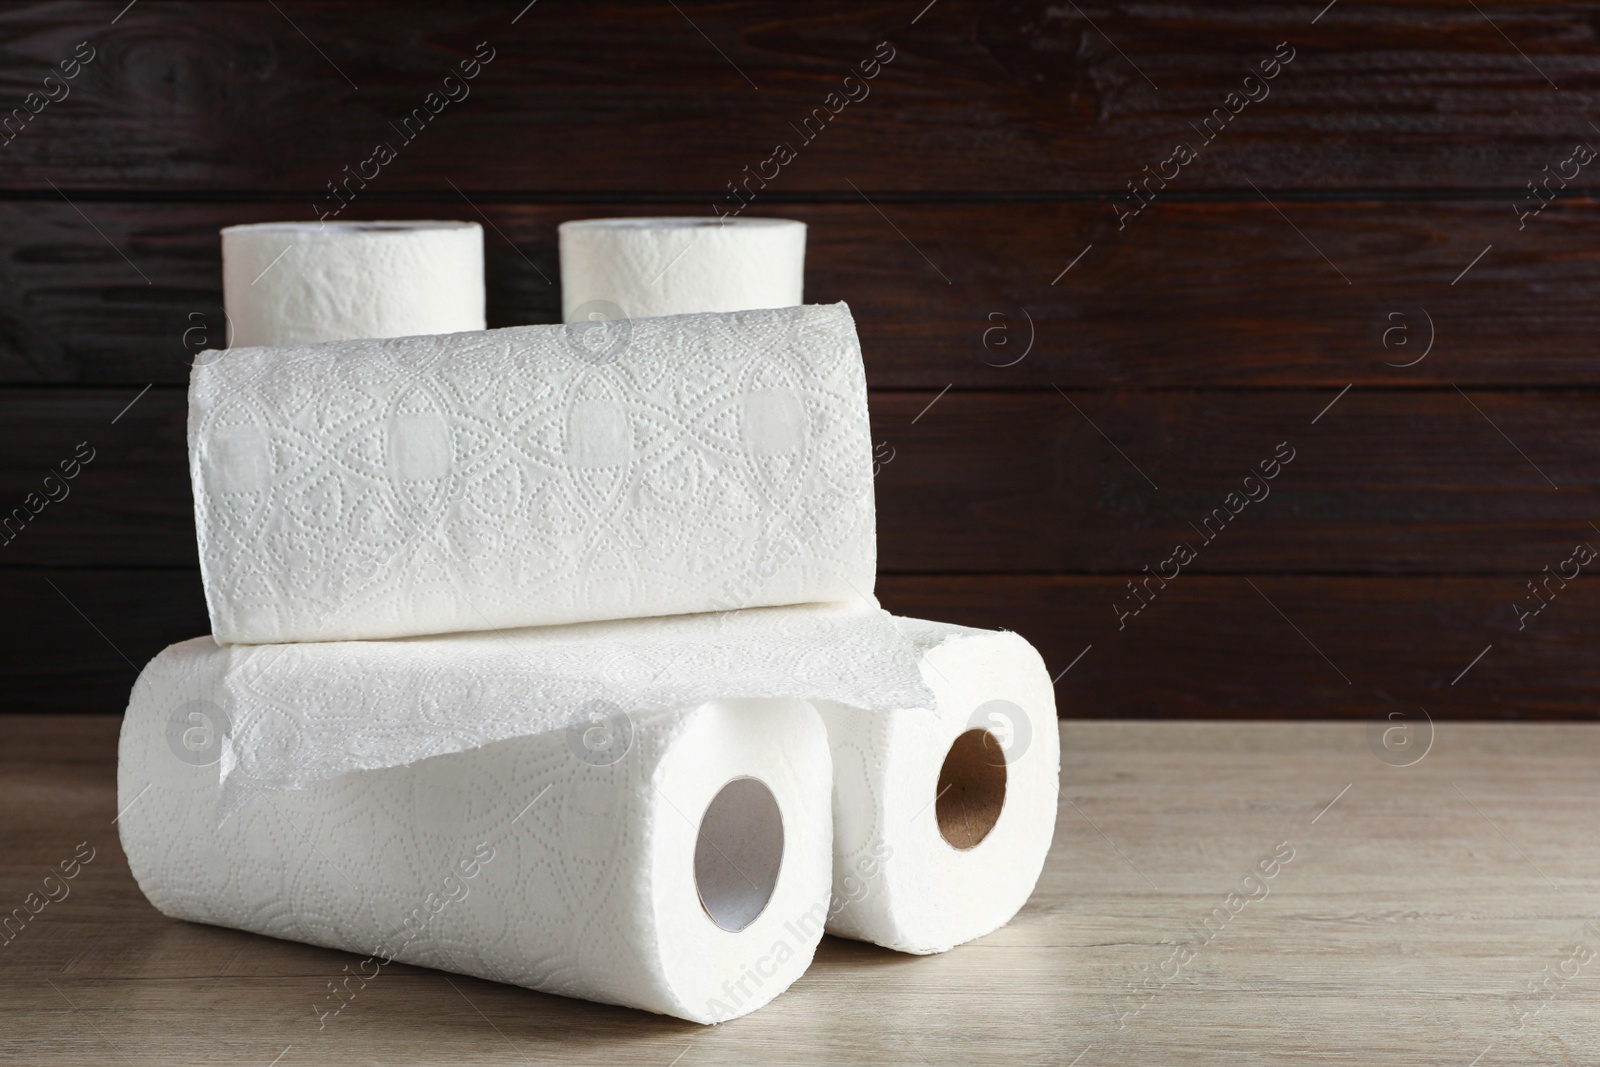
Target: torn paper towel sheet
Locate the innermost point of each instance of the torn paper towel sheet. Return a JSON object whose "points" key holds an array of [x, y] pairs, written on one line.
{"points": [[597, 872], [943, 817], [289, 283], [532, 476], [636, 268], [294, 715]]}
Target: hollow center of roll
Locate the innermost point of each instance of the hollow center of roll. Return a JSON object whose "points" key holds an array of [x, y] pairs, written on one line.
{"points": [[738, 853], [972, 789]]}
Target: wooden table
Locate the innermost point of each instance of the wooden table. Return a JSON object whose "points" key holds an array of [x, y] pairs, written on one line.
{"points": [[1420, 904]]}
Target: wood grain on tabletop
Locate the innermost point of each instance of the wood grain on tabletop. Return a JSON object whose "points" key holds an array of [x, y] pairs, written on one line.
{"points": [[1203, 294], [1033, 96], [1419, 906]]}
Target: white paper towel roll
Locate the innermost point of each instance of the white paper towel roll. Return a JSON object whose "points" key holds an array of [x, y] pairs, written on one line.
{"points": [[287, 283], [672, 861], [942, 819], [532, 476], [637, 268]]}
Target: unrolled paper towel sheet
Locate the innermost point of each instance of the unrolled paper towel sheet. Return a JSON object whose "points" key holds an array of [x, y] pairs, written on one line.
{"points": [[299, 714], [940, 834], [608, 864], [286, 283], [532, 476], [636, 268]]}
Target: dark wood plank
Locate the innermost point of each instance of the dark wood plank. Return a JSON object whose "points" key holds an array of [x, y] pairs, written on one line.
{"points": [[1214, 647], [1192, 295], [129, 504], [1207, 646], [1385, 482], [76, 640], [619, 96]]}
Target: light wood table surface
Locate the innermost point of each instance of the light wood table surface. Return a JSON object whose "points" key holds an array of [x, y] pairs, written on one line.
{"points": [[1420, 905]]}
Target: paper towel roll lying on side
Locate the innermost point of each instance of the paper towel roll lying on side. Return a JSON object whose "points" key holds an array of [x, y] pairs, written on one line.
{"points": [[286, 283], [942, 819], [532, 476], [638, 268], [672, 861]]}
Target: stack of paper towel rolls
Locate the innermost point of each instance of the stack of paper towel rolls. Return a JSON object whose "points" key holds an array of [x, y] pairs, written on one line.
{"points": [[662, 810]]}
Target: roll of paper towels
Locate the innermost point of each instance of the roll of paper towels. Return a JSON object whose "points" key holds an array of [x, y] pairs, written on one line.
{"points": [[532, 476], [289, 283], [674, 864], [943, 814], [639, 268]]}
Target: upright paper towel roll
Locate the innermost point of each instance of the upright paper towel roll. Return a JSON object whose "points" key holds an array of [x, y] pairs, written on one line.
{"points": [[942, 819], [638, 268], [531, 476], [672, 862], [288, 283]]}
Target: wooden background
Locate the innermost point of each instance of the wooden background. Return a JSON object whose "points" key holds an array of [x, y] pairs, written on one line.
{"points": [[1371, 199]]}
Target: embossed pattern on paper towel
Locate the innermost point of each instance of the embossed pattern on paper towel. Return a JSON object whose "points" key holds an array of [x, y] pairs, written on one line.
{"points": [[519, 477], [296, 714]]}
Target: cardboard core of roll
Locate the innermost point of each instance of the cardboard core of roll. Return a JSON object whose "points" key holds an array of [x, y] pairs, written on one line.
{"points": [[738, 853], [972, 789]]}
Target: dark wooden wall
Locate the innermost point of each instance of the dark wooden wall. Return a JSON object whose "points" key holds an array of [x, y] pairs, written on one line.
{"points": [[1081, 419]]}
